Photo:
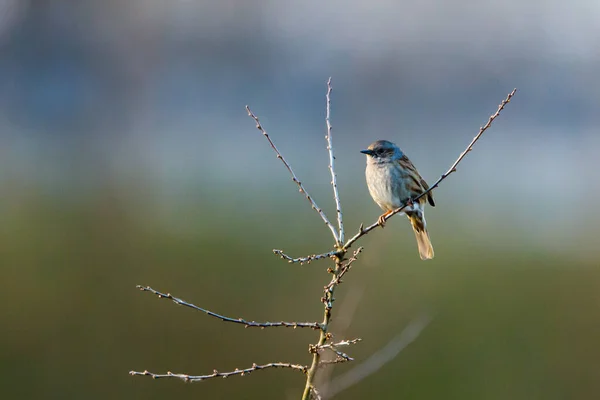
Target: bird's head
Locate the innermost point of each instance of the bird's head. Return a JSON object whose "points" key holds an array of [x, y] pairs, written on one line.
{"points": [[383, 150]]}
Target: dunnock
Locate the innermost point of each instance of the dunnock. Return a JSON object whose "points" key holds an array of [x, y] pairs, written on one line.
{"points": [[394, 181]]}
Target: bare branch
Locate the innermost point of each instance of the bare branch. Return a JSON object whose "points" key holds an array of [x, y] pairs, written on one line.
{"points": [[336, 194], [306, 259], [241, 321], [333, 347], [363, 231], [344, 268], [339, 353], [217, 374], [294, 178], [324, 335], [344, 317], [342, 343], [380, 358], [337, 360]]}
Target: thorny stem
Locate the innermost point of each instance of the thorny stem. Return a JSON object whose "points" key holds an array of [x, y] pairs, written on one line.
{"points": [[241, 321], [328, 300], [342, 343], [217, 374], [306, 259], [336, 194], [344, 268]]}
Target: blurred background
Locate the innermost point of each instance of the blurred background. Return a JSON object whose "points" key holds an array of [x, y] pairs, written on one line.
{"points": [[126, 157]]}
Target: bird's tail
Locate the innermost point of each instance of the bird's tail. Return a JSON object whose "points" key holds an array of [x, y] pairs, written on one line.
{"points": [[417, 220]]}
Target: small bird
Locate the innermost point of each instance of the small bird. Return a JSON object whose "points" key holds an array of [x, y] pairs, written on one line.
{"points": [[394, 181]]}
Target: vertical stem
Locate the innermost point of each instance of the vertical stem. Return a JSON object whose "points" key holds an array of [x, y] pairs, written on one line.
{"points": [[323, 336], [329, 289], [336, 193]]}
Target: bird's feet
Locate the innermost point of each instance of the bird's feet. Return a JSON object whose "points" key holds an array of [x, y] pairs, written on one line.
{"points": [[381, 220]]}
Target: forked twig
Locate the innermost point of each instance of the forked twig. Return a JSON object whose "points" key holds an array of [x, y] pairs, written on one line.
{"points": [[333, 347], [217, 374], [294, 178], [241, 321], [344, 269], [363, 231]]}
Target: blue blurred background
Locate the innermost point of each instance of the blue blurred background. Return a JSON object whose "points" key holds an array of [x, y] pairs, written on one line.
{"points": [[127, 158]]}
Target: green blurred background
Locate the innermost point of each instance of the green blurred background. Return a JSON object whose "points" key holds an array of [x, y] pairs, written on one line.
{"points": [[127, 158]]}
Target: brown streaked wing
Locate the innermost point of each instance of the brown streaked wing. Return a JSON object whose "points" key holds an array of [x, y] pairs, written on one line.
{"points": [[429, 195], [416, 178]]}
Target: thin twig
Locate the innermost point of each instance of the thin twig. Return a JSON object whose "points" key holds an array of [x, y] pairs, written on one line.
{"points": [[294, 178], [342, 343], [333, 347], [345, 268], [336, 194], [337, 360], [241, 321], [217, 374], [340, 354], [306, 259], [363, 231], [380, 358]]}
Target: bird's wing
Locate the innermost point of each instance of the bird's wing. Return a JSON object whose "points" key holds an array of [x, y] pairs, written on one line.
{"points": [[429, 195], [417, 183]]}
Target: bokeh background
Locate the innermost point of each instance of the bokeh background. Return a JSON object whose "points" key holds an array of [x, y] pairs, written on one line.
{"points": [[126, 157]]}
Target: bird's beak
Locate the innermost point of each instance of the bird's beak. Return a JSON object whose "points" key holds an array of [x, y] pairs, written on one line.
{"points": [[367, 152]]}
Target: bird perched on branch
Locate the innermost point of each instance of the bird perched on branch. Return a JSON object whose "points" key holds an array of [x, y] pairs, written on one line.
{"points": [[393, 182]]}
